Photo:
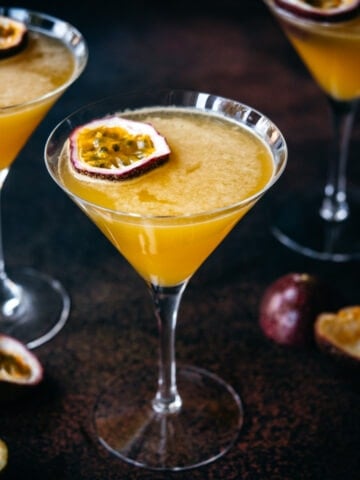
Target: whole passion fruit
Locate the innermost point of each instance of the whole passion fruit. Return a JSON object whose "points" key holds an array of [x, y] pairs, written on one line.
{"points": [[289, 307], [322, 10], [338, 334], [13, 36], [116, 148]]}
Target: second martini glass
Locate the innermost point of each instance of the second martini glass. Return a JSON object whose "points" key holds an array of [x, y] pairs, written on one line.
{"points": [[194, 417], [325, 225], [33, 306]]}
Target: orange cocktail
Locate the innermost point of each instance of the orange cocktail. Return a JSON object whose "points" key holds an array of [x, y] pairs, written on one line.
{"points": [[220, 157], [44, 66], [323, 221], [214, 163], [331, 53]]}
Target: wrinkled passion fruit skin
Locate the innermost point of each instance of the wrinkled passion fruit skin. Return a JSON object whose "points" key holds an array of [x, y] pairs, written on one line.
{"points": [[13, 37], [289, 307]]}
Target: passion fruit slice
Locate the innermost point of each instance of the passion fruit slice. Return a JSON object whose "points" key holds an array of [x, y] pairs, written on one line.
{"points": [[338, 333], [116, 148], [322, 10], [18, 365], [13, 36]]}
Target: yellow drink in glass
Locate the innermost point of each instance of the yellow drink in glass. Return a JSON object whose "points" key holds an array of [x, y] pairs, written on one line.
{"points": [[29, 81], [331, 53], [209, 156]]}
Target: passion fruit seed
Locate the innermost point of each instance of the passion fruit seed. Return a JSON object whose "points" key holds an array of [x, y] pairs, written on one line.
{"points": [[18, 365], [13, 36], [3, 455], [116, 148], [339, 333], [322, 10]]}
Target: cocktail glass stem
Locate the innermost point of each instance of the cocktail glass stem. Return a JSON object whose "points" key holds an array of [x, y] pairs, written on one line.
{"points": [[10, 293], [324, 225], [166, 303], [167, 431], [335, 206], [33, 306]]}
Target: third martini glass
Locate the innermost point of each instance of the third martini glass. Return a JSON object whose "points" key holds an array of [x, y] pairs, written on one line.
{"points": [[33, 306], [326, 35], [166, 222]]}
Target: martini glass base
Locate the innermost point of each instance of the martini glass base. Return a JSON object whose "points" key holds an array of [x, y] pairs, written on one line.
{"points": [[296, 223], [43, 309], [205, 427]]}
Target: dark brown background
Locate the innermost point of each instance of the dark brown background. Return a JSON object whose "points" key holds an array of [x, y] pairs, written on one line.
{"points": [[302, 413]]}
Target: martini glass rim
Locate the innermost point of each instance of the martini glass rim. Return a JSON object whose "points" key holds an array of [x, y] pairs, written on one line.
{"points": [[76, 40], [279, 164]]}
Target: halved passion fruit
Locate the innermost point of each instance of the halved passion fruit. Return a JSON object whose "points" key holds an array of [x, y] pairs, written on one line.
{"points": [[323, 10], [116, 148], [18, 365], [339, 333], [13, 36]]}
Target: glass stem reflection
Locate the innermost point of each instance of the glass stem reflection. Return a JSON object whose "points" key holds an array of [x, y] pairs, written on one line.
{"points": [[10, 293], [166, 303], [335, 207]]}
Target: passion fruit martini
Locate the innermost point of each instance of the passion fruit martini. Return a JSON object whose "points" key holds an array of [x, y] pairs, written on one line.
{"points": [[40, 57], [326, 36], [166, 209]]}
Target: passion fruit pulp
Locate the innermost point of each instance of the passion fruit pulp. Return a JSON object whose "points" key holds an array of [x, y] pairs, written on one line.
{"points": [[322, 10], [338, 334], [116, 148], [18, 365], [13, 36]]}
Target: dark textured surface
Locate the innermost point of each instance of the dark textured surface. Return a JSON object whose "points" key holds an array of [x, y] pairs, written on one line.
{"points": [[302, 416]]}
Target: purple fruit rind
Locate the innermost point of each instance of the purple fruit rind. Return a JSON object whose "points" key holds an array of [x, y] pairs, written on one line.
{"points": [[289, 307], [318, 14], [128, 174]]}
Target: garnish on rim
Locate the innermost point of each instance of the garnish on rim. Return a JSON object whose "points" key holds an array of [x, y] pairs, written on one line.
{"points": [[324, 10], [13, 36], [116, 148]]}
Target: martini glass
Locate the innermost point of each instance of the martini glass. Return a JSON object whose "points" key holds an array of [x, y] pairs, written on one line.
{"points": [[34, 306], [194, 416], [324, 225]]}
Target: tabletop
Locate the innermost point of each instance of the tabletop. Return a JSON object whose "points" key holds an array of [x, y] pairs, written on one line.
{"points": [[302, 416]]}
